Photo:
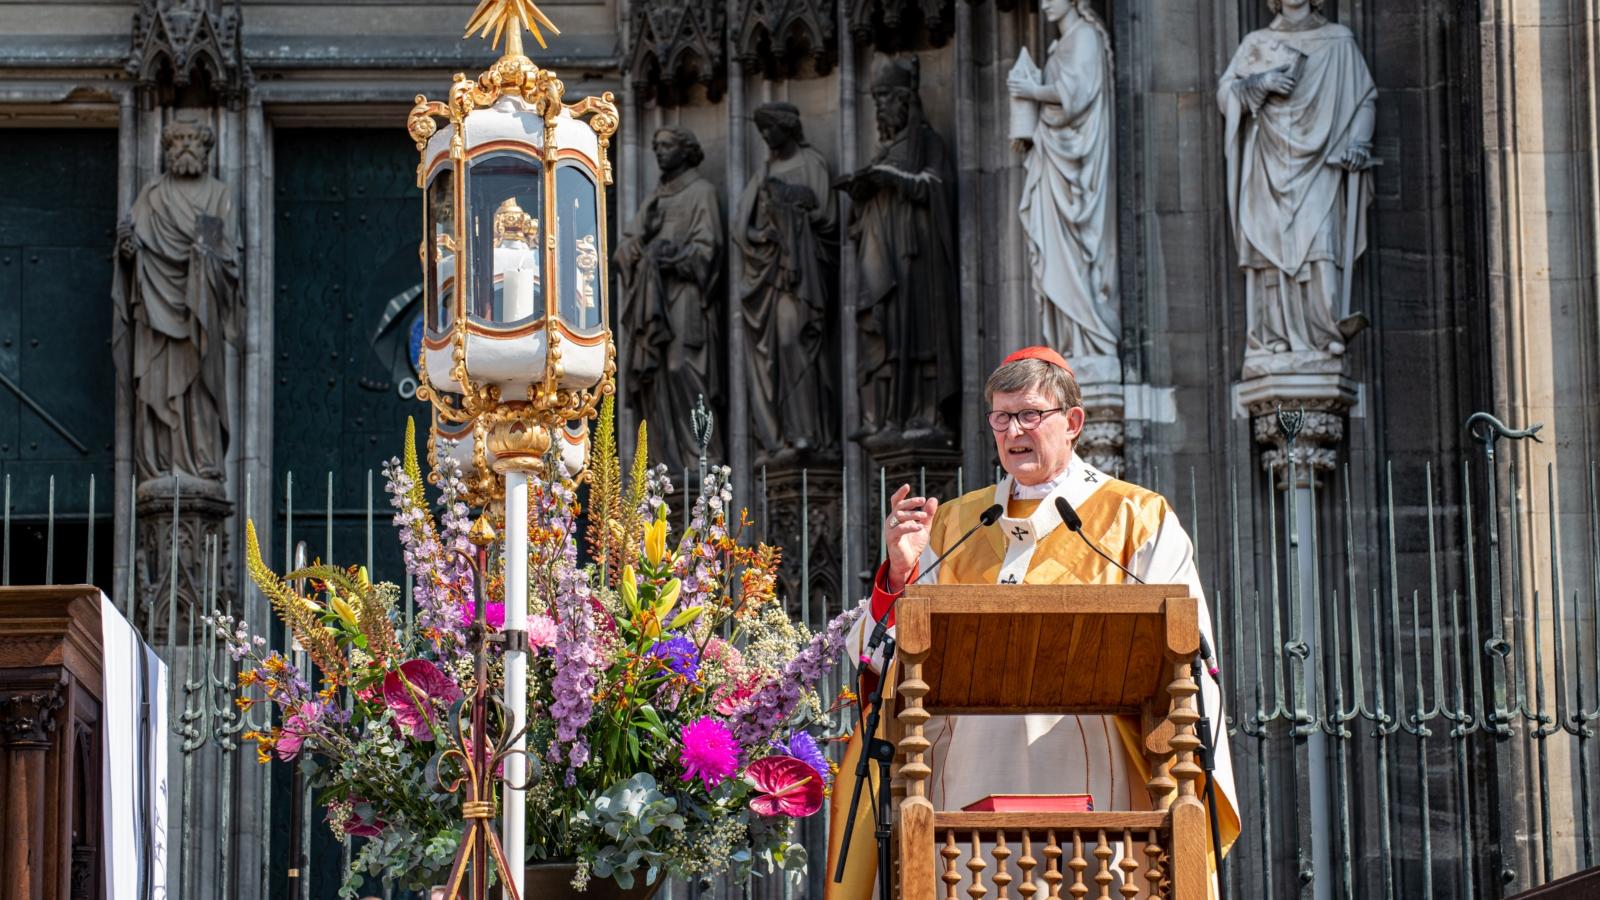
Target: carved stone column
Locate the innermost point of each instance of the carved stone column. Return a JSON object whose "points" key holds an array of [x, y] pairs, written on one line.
{"points": [[27, 730]]}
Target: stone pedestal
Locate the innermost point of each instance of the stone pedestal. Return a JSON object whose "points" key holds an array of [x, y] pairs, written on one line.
{"points": [[1104, 431], [1298, 416], [202, 510]]}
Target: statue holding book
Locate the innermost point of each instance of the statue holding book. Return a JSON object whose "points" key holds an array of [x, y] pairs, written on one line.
{"points": [[1298, 103]]}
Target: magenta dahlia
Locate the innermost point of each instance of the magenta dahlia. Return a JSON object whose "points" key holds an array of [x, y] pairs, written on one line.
{"points": [[709, 752]]}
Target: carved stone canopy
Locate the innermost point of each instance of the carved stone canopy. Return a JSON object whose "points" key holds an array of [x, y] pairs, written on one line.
{"points": [[785, 38], [895, 25], [179, 44], [676, 45]]}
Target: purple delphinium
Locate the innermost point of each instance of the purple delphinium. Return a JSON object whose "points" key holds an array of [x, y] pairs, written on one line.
{"points": [[577, 654], [679, 654], [442, 578], [803, 746], [770, 706]]}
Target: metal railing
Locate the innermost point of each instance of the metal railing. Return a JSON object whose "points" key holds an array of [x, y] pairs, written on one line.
{"points": [[1452, 720]]}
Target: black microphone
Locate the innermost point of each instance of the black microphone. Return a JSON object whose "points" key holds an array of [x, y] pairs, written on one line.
{"points": [[1069, 517], [880, 629]]}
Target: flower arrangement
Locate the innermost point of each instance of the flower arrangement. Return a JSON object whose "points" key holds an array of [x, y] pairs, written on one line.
{"points": [[673, 719]]}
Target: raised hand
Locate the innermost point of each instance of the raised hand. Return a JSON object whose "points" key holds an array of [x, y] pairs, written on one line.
{"points": [[906, 533]]}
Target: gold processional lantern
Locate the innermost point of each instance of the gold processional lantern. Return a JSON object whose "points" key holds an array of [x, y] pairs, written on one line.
{"points": [[517, 350]]}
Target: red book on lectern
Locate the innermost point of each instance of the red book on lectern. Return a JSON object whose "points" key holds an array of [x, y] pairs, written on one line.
{"points": [[1032, 803]]}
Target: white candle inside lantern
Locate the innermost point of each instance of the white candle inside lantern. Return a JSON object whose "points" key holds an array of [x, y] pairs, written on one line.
{"points": [[518, 288]]}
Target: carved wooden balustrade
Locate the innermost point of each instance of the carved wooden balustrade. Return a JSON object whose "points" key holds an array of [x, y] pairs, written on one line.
{"points": [[1079, 649]]}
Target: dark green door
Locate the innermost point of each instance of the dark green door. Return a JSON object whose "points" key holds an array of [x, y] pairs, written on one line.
{"points": [[348, 220], [57, 398]]}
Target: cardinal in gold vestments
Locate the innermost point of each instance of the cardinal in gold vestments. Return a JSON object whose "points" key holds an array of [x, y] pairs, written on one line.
{"points": [[1036, 418]]}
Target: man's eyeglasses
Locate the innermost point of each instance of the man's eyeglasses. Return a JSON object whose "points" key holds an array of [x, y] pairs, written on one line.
{"points": [[1029, 419]]}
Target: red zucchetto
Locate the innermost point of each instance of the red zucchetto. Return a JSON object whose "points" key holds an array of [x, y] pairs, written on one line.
{"points": [[1041, 353]]}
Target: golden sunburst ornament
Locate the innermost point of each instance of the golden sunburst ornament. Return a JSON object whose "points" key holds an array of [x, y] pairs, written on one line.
{"points": [[500, 15]]}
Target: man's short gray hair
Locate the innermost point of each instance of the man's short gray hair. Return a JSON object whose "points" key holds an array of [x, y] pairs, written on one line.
{"points": [[1024, 374]]}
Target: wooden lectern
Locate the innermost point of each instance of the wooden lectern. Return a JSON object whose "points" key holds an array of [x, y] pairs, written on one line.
{"points": [[1094, 649], [50, 693]]}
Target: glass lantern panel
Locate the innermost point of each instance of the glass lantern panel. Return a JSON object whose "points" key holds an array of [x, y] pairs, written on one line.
{"points": [[505, 199], [578, 250], [441, 250]]}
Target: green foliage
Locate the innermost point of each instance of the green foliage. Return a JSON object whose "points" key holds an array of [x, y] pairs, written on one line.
{"points": [[629, 814]]}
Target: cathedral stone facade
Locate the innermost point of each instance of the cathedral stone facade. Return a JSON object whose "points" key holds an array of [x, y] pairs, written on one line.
{"points": [[855, 210]]}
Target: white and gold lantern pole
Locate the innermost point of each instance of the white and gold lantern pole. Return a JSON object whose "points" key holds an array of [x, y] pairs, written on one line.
{"points": [[517, 351]]}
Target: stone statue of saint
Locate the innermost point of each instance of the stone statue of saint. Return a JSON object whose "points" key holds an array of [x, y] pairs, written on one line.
{"points": [[669, 263], [1298, 101], [1069, 203], [907, 308], [176, 294], [787, 235]]}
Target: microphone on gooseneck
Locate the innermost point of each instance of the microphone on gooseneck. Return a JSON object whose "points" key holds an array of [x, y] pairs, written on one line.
{"points": [[1069, 517], [880, 628], [1210, 660]]}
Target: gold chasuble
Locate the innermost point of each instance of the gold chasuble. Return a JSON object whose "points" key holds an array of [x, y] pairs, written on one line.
{"points": [[975, 756]]}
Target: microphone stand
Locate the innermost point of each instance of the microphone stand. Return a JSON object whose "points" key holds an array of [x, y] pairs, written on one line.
{"points": [[874, 748], [1208, 763]]}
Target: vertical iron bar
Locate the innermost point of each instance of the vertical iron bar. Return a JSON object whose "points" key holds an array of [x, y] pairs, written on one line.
{"points": [[686, 501], [1458, 736], [1539, 734], [130, 601], [371, 572], [88, 558], [883, 510], [50, 535], [1238, 586], [1580, 729], [805, 551], [1263, 770], [172, 586], [1421, 732], [327, 536], [846, 577], [288, 520], [766, 512], [1515, 657], [5, 567], [1278, 692], [1382, 732]]}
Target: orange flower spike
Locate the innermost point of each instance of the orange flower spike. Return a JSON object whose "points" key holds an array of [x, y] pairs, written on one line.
{"points": [[247, 677]]}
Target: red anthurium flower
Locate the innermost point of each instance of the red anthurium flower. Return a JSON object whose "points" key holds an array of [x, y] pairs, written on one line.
{"points": [[429, 683], [788, 787]]}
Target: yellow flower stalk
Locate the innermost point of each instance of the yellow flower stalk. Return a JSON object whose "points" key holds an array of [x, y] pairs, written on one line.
{"points": [[655, 541]]}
